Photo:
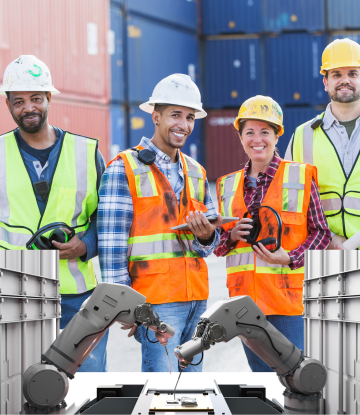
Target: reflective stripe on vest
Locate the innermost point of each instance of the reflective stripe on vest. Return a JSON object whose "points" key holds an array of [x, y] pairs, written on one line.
{"points": [[72, 199], [195, 179], [163, 245], [240, 259], [144, 178], [293, 187], [338, 193], [228, 187]]}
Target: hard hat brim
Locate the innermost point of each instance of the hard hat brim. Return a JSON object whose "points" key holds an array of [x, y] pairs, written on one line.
{"points": [[343, 65], [149, 107], [238, 120], [18, 88]]}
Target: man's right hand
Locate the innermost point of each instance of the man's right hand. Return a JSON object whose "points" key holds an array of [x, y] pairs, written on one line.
{"points": [[132, 327], [337, 242]]}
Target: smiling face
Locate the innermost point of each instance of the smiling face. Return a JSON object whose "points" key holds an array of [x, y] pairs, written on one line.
{"points": [[343, 84], [29, 109], [259, 140], [173, 125]]}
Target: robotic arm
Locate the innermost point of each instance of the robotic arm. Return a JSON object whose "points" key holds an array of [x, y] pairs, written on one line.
{"points": [[46, 384], [240, 316]]}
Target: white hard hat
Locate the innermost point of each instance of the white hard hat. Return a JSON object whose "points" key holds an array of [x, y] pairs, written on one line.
{"points": [[27, 73], [176, 89]]}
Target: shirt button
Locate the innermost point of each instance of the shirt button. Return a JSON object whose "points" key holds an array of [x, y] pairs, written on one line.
{"points": [[342, 132], [348, 152], [169, 176], [37, 166], [42, 176]]}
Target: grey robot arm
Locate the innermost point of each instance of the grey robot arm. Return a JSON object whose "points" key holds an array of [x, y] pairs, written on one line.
{"points": [[45, 384], [240, 316]]}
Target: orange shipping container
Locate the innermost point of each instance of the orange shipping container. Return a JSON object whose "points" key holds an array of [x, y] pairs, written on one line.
{"points": [[70, 36], [224, 152], [89, 120]]}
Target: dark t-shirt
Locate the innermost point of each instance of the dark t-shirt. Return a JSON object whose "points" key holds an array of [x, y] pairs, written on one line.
{"points": [[349, 125]]}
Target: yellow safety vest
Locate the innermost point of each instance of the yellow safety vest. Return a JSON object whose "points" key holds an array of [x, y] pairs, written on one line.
{"points": [[340, 195], [72, 199]]}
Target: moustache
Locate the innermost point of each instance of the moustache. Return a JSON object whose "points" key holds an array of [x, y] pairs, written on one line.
{"points": [[32, 114]]}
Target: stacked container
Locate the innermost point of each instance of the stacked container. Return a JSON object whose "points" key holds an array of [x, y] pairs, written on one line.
{"points": [[29, 317], [72, 39], [272, 48], [332, 325]]}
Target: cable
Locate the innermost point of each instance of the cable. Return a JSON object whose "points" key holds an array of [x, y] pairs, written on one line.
{"points": [[169, 359], [197, 364], [177, 381], [147, 329], [93, 334], [259, 327]]}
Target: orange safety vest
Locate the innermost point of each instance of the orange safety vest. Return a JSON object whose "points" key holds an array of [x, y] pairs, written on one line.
{"points": [[276, 289], [162, 264]]}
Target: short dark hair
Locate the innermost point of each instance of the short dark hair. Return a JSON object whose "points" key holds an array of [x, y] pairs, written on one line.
{"points": [[274, 127], [161, 107], [326, 74]]}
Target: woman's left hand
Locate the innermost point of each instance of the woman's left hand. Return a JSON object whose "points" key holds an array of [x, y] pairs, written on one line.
{"points": [[278, 257]]}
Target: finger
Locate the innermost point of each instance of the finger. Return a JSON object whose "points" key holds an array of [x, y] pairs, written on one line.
{"points": [[190, 225], [66, 230], [59, 245], [218, 221], [263, 249], [194, 221], [245, 220], [133, 330]]}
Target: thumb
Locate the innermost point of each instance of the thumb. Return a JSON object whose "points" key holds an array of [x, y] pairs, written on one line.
{"points": [[58, 245], [218, 221]]}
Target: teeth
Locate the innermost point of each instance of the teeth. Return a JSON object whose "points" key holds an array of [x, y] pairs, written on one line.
{"points": [[258, 148], [178, 134]]}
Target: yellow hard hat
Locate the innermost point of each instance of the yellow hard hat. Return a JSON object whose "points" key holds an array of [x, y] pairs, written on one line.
{"points": [[263, 109], [341, 53]]}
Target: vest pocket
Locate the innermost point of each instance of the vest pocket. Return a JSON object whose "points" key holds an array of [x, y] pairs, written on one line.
{"points": [[289, 281], [196, 205], [235, 280], [293, 218]]}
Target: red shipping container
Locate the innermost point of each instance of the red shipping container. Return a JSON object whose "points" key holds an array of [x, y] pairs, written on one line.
{"points": [[70, 36], [89, 120], [224, 151]]}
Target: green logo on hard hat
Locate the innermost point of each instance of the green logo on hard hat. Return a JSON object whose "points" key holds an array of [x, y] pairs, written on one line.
{"points": [[36, 74]]}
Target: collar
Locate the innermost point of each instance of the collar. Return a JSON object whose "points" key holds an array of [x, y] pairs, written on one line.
{"points": [[329, 118], [271, 170], [160, 155]]}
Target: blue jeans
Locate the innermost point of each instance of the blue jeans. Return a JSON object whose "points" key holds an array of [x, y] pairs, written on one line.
{"points": [[183, 316], [292, 327], [96, 361]]}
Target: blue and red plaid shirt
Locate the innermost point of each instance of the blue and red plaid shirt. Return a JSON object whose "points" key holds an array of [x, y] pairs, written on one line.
{"points": [[319, 232]]}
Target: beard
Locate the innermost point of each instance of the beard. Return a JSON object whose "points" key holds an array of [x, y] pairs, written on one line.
{"points": [[33, 128], [347, 98]]}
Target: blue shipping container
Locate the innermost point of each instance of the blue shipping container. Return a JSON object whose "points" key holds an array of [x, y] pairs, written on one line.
{"points": [[115, 49], [293, 117], [155, 52], [231, 16], [182, 13], [232, 71], [118, 137], [282, 15], [344, 14], [292, 69], [355, 36], [141, 125]]}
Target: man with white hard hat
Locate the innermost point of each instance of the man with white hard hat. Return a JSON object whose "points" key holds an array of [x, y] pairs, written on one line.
{"points": [[49, 176], [144, 193], [331, 141]]}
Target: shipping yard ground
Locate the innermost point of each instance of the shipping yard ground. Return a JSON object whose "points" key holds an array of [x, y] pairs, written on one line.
{"points": [[124, 355]]}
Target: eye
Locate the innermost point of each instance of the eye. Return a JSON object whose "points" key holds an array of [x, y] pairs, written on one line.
{"points": [[17, 103]]}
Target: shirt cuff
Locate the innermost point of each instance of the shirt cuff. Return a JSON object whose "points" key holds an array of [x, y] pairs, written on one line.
{"points": [[212, 246], [91, 250], [295, 261]]}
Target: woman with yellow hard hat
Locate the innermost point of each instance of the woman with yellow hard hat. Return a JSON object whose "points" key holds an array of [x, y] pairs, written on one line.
{"points": [[280, 213]]}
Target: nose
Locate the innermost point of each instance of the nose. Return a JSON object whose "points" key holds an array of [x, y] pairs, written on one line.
{"points": [[29, 106]]}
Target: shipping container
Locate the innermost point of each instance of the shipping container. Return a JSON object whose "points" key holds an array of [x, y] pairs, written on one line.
{"points": [[224, 151], [154, 52], [116, 51], [292, 67], [69, 36], [182, 13], [29, 317], [343, 15], [293, 15], [118, 134], [85, 119], [232, 71], [353, 35], [141, 125], [332, 325], [231, 16], [293, 118]]}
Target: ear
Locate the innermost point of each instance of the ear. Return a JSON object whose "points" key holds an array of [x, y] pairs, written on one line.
{"points": [[325, 84], [156, 116], [48, 97], [8, 104]]}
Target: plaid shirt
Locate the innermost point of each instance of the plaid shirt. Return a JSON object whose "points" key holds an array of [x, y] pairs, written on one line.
{"points": [[319, 233], [116, 212]]}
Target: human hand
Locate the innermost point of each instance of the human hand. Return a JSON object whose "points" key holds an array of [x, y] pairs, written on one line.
{"points": [[337, 242], [131, 327], [278, 257], [163, 340], [241, 228], [201, 227], [72, 249]]}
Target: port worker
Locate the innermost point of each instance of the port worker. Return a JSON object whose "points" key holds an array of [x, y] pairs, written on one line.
{"points": [[273, 279], [331, 141], [140, 201], [46, 176]]}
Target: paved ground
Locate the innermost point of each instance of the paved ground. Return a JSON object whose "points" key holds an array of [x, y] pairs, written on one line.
{"points": [[124, 355]]}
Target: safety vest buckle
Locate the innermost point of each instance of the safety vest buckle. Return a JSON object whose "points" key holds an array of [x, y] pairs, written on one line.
{"points": [[318, 121]]}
